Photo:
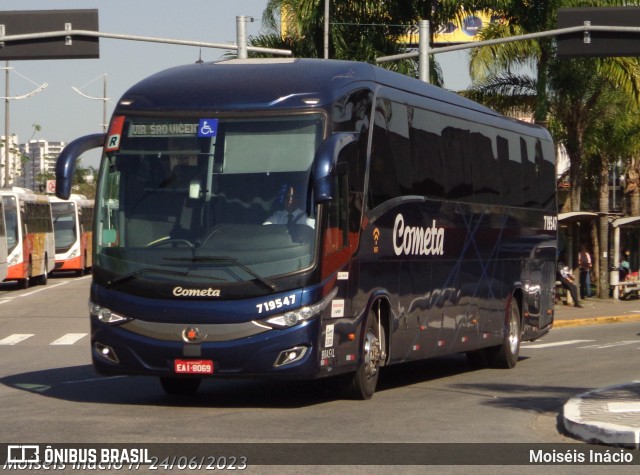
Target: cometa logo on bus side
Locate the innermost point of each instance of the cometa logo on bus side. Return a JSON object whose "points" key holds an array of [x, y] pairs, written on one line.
{"points": [[417, 241]]}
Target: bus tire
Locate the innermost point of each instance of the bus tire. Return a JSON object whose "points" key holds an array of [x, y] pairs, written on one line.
{"points": [[24, 283], [506, 355], [42, 280], [362, 384], [180, 386]]}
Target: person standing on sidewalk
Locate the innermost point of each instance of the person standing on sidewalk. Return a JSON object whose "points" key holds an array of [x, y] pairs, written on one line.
{"points": [[585, 263]]}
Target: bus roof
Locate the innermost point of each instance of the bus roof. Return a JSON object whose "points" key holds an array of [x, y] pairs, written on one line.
{"points": [[23, 194], [271, 84]]}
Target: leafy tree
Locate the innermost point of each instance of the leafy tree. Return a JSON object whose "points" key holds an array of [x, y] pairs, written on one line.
{"points": [[613, 136], [361, 30], [527, 74]]}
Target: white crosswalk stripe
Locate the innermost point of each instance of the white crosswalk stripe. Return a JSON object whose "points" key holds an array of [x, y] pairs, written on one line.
{"points": [[68, 339], [15, 338]]}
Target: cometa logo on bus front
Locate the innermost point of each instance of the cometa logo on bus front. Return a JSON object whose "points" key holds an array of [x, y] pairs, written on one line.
{"points": [[417, 241], [182, 292]]}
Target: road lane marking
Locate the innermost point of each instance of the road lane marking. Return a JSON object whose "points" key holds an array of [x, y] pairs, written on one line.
{"points": [[42, 289], [91, 380], [558, 343], [610, 345], [15, 338], [68, 339]]}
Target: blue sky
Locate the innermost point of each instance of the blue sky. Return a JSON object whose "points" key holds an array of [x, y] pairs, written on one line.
{"points": [[64, 115]]}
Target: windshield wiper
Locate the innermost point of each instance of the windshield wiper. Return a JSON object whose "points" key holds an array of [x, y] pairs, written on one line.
{"points": [[125, 278], [226, 259]]}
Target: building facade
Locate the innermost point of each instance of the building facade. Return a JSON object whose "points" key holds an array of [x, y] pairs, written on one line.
{"points": [[9, 162], [38, 158]]}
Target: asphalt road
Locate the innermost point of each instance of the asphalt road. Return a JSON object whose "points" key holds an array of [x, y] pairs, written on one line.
{"points": [[49, 393]]}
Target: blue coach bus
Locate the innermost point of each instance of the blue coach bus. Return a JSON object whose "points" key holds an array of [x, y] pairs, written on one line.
{"points": [[412, 223]]}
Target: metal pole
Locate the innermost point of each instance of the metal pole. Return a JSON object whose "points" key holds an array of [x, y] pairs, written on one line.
{"points": [[117, 36], [423, 51], [33, 165], [326, 29], [615, 273], [104, 104], [6, 127], [241, 36]]}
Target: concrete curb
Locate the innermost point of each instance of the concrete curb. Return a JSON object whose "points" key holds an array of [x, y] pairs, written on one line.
{"points": [[582, 416], [595, 321]]}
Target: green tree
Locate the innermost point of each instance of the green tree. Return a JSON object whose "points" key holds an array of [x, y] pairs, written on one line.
{"points": [[84, 180], [614, 136], [361, 30], [528, 74], [579, 96]]}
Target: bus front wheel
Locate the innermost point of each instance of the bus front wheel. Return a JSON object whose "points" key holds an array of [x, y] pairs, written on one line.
{"points": [[362, 384], [180, 386]]}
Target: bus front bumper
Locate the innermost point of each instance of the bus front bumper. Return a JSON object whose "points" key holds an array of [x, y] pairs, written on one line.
{"points": [[288, 353]]}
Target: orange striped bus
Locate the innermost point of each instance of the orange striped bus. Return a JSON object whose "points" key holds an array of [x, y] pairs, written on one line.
{"points": [[30, 241], [72, 227], [3, 244]]}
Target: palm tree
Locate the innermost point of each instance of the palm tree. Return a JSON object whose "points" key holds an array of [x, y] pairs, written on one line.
{"points": [[498, 71], [613, 136], [578, 95], [361, 30], [496, 64]]}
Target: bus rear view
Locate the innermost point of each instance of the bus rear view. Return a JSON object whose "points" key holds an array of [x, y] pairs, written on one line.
{"points": [[234, 234]]}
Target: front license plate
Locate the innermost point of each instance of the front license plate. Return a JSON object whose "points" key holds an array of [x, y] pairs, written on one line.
{"points": [[193, 366]]}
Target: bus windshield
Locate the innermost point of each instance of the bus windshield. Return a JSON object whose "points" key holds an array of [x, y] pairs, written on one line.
{"points": [[64, 225], [11, 218], [227, 200]]}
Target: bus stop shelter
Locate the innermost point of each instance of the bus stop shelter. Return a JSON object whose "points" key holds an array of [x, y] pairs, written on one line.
{"points": [[624, 287], [569, 223]]}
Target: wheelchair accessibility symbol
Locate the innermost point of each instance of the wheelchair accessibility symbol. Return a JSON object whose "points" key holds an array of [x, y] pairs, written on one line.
{"points": [[207, 127]]}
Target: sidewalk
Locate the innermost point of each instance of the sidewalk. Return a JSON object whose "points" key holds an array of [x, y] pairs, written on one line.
{"points": [[596, 311], [610, 415]]}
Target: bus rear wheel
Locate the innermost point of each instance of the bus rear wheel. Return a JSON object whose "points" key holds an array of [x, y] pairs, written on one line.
{"points": [[43, 279], [362, 384], [24, 283], [180, 386], [506, 355]]}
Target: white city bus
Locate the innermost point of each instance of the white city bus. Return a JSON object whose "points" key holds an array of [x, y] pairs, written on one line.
{"points": [[30, 241], [3, 244], [72, 226]]}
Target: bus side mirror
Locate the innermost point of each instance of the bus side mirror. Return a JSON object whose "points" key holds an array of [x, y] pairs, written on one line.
{"points": [[66, 163], [325, 161]]}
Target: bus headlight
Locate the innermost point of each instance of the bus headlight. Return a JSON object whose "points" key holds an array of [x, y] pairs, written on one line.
{"points": [[294, 317], [105, 315]]}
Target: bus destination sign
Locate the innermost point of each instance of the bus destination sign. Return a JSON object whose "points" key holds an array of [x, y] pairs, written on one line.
{"points": [[163, 129]]}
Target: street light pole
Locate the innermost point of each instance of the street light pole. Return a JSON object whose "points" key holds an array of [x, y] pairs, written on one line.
{"points": [[104, 97], [241, 36], [7, 98], [5, 170], [326, 29], [104, 103], [423, 56]]}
